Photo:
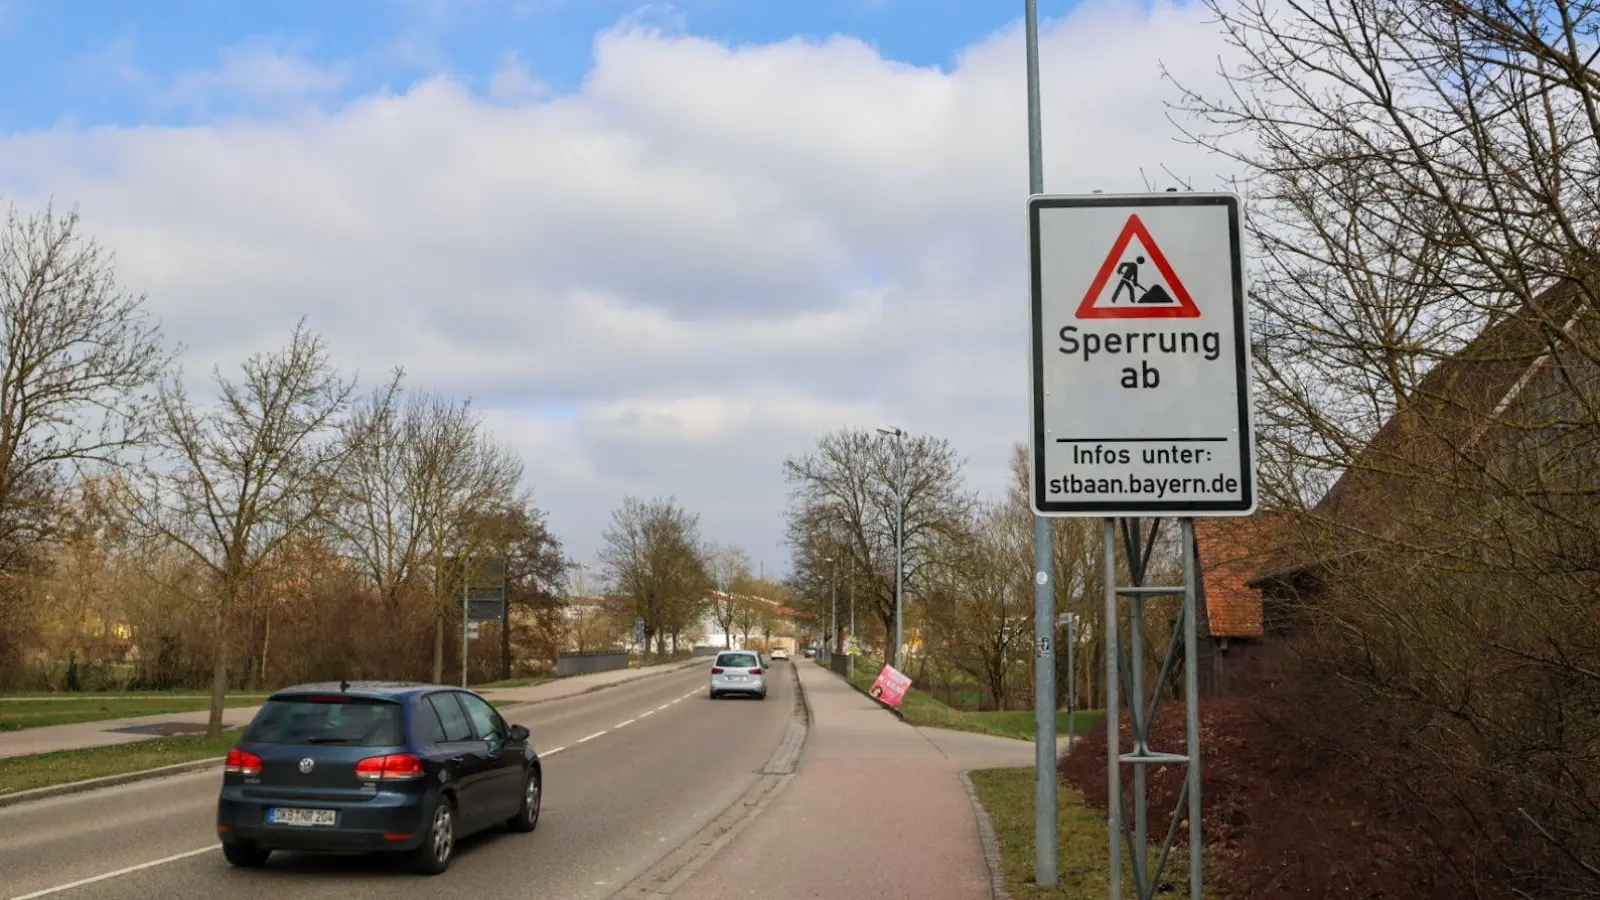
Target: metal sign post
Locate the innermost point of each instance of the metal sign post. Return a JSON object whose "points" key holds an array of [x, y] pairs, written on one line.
{"points": [[483, 598], [1141, 407], [1044, 564]]}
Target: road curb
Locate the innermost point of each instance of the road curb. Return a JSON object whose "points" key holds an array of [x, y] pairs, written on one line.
{"points": [[663, 879], [989, 840], [91, 784]]}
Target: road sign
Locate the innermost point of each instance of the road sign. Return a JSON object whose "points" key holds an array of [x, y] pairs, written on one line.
{"points": [[638, 631], [485, 593], [1140, 356]]}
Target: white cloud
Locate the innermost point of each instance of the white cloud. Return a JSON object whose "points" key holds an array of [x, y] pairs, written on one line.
{"points": [[711, 254], [257, 76]]}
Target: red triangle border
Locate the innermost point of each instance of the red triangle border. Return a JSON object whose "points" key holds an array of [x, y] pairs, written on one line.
{"points": [[1185, 309]]}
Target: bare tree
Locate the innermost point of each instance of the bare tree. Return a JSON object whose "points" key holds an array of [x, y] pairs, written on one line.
{"points": [[1422, 176], [454, 474], [654, 557], [247, 476], [845, 493], [730, 569], [78, 354]]}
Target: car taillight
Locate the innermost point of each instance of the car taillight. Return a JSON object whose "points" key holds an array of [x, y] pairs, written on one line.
{"points": [[755, 671], [716, 670], [241, 762], [394, 767]]}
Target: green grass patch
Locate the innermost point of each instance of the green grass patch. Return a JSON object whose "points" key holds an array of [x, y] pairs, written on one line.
{"points": [[23, 773], [925, 711], [515, 683], [72, 709], [1082, 869]]}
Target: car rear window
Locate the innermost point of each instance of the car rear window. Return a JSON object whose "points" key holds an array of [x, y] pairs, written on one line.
{"points": [[737, 660], [353, 721]]}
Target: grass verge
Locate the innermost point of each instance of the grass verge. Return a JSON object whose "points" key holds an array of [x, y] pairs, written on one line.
{"points": [[921, 709], [24, 773], [16, 715], [515, 683], [1081, 868]]}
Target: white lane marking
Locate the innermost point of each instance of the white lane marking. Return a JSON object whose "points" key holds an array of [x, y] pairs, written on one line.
{"points": [[552, 752], [664, 706], [629, 722], [119, 872], [591, 737], [648, 712]]}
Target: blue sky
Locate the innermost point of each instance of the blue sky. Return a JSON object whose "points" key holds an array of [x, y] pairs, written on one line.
{"points": [[103, 62]]}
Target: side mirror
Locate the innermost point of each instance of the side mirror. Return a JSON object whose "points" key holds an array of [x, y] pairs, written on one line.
{"points": [[518, 733]]}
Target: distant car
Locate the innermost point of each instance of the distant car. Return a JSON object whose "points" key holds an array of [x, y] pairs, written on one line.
{"points": [[810, 652], [780, 653], [738, 672], [387, 767]]}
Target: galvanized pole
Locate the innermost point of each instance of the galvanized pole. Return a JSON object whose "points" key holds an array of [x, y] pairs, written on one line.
{"points": [[1044, 598], [851, 656], [1072, 681], [1113, 714], [833, 607], [899, 548], [1191, 689]]}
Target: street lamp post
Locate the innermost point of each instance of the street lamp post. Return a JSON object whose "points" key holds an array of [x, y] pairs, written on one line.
{"points": [[833, 607], [851, 657], [899, 536]]}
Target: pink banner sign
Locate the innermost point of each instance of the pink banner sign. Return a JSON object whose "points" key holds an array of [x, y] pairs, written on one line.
{"points": [[891, 685]]}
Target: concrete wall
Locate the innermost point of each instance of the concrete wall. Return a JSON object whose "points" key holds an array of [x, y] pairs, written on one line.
{"points": [[594, 661]]}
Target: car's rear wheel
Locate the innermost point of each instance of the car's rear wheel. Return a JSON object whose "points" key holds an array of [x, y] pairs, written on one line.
{"points": [[715, 695], [245, 855], [439, 844], [527, 817]]}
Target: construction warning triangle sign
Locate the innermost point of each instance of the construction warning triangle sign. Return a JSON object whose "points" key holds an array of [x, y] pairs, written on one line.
{"points": [[1136, 282]]}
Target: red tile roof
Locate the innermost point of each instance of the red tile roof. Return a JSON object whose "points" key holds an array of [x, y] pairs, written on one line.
{"points": [[1231, 551]]}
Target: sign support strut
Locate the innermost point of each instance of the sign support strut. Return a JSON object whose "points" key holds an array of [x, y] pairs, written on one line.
{"points": [[1125, 667]]}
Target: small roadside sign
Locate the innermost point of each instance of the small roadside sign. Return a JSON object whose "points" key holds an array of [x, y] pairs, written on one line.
{"points": [[638, 632], [1140, 356]]}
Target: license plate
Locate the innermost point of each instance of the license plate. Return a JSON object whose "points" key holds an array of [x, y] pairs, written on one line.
{"points": [[305, 818]]}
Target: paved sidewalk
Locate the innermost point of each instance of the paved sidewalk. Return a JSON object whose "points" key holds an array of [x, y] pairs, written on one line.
{"points": [[105, 733], [876, 810]]}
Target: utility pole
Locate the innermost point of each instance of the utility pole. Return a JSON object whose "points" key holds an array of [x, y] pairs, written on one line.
{"points": [[1044, 600]]}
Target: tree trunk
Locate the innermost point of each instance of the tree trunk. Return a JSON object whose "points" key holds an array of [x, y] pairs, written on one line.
{"points": [[219, 670], [266, 640], [438, 650], [505, 645]]}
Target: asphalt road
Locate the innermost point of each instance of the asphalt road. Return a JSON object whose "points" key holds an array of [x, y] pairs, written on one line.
{"points": [[631, 772]]}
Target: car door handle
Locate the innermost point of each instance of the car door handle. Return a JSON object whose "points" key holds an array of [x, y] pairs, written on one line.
{"points": [[458, 759]]}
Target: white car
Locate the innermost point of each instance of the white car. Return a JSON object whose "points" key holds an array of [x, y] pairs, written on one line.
{"points": [[738, 672], [780, 653]]}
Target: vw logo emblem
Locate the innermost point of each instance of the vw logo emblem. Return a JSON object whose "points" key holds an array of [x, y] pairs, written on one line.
{"points": [[306, 765]]}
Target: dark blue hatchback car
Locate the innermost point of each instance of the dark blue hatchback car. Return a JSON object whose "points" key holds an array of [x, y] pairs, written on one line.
{"points": [[375, 766]]}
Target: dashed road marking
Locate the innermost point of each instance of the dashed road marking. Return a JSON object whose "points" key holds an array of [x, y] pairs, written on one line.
{"points": [[552, 752], [591, 737], [648, 712], [621, 724]]}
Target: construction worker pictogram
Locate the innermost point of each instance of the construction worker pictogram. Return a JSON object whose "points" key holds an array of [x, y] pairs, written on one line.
{"points": [[1137, 292]]}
